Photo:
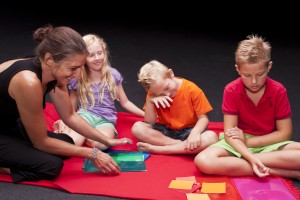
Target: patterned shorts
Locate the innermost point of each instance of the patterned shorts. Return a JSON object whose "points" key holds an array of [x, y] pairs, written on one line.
{"points": [[175, 134]]}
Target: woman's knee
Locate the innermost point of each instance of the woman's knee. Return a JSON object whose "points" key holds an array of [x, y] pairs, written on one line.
{"points": [[51, 168]]}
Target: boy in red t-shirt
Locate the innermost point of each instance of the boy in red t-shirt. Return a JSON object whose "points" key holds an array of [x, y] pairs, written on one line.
{"points": [[257, 121]]}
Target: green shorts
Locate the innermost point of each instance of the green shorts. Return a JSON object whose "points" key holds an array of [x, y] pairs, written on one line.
{"points": [[273, 147], [96, 121]]}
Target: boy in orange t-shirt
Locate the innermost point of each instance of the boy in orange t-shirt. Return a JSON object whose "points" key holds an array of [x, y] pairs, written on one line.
{"points": [[175, 119]]}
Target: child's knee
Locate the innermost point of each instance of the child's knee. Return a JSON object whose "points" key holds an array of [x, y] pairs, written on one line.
{"points": [[202, 162], [136, 128], [210, 137]]}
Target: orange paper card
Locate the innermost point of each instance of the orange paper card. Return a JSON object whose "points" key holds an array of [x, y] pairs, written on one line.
{"points": [[213, 187], [179, 184]]}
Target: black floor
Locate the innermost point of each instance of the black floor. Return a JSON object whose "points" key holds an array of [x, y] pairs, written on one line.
{"points": [[204, 56]]}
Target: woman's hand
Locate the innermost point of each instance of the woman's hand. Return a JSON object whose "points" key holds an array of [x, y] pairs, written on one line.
{"points": [[105, 163]]}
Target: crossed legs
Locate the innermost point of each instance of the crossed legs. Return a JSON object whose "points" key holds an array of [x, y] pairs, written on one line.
{"points": [[79, 140], [284, 163], [153, 141]]}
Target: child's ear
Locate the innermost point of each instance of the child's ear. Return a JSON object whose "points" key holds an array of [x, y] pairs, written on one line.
{"points": [[270, 66], [237, 69], [171, 73]]}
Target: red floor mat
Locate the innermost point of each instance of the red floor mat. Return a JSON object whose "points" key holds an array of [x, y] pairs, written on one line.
{"points": [[152, 184]]}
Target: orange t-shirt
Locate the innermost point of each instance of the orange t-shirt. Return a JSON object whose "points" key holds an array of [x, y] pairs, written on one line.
{"points": [[189, 102]]}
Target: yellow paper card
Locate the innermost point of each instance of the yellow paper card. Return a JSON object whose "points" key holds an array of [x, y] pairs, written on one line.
{"points": [[195, 196], [213, 187], [179, 184]]}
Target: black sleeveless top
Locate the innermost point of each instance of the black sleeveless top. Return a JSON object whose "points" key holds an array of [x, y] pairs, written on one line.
{"points": [[9, 114]]}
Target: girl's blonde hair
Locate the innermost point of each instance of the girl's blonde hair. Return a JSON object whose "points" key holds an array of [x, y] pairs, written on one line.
{"points": [[254, 49], [151, 71], [84, 84]]}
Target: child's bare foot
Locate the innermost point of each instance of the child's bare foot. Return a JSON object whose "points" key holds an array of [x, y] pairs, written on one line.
{"points": [[146, 147], [60, 127], [297, 175]]}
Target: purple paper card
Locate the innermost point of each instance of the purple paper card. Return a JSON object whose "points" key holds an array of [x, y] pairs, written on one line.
{"points": [[262, 189]]}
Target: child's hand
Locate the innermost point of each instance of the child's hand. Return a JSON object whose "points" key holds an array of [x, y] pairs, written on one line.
{"points": [[161, 100], [236, 133], [260, 169], [193, 142]]}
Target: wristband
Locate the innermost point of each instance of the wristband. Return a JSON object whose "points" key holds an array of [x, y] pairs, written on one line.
{"points": [[94, 154]]}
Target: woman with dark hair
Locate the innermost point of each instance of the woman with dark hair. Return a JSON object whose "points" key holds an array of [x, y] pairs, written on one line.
{"points": [[27, 150]]}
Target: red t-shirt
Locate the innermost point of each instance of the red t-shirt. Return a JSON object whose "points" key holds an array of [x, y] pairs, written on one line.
{"points": [[261, 119]]}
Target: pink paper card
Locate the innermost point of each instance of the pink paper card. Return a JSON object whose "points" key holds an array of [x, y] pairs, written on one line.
{"points": [[264, 188], [193, 196]]}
